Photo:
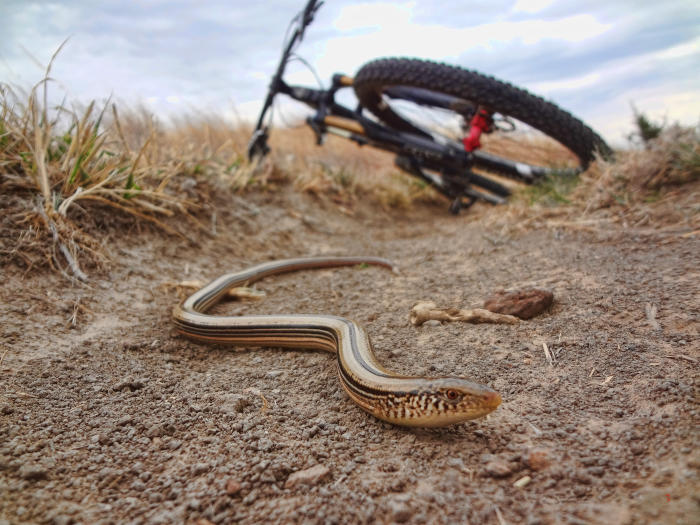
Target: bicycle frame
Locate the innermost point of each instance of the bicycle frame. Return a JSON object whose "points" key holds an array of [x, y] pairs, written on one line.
{"points": [[416, 151]]}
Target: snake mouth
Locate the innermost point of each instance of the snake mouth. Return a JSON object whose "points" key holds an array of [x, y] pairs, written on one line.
{"points": [[492, 400]]}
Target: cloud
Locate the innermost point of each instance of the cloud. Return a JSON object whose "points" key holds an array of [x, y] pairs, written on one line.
{"points": [[531, 6], [592, 57]]}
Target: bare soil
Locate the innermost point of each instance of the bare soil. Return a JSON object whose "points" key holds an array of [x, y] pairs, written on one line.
{"points": [[108, 416]]}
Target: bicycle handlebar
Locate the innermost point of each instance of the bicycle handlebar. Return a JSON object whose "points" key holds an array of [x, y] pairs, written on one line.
{"points": [[309, 12]]}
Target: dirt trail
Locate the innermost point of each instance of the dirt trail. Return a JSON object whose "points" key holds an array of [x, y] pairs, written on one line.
{"points": [[119, 420]]}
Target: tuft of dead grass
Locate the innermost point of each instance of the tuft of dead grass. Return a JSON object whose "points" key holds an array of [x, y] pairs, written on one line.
{"points": [[645, 175], [67, 173], [649, 190], [62, 161]]}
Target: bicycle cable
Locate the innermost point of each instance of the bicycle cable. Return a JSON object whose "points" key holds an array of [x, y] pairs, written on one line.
{"points": [[295, 57], [301, 59], [286, 122]]}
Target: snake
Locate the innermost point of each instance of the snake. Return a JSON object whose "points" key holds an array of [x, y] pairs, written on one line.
{"points": [[398, 399]]}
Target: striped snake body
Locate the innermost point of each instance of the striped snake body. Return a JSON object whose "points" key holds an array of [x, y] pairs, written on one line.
{"points": [[402, 400]]}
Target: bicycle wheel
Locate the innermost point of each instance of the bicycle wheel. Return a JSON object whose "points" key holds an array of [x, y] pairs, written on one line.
{"points": [[402, 91]]}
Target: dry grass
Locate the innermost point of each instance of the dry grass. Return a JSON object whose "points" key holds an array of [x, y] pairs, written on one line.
{"points": [[645, 175], [648, 190], [68, 174], [656, 188]]}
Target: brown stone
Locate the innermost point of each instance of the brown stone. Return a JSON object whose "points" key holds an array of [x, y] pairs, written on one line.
{"points": [[525, 304], [537, 458], [310, 476], [233, 487], [498, 468]]}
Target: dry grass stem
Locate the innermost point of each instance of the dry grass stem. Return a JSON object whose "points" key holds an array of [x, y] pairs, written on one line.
{"points": [[548, 355], [238, 293], [499, 516], [651, 311], [682, 357]]}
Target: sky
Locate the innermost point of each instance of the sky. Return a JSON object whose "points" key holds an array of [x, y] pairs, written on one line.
{"points": [[594, 58]]}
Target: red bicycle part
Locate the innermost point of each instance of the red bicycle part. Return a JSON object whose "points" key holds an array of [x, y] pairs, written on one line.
{"points": [[481, 122]]}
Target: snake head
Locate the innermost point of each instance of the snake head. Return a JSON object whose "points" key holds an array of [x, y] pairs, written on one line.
{"points": [[447, 401], [461, 400]]}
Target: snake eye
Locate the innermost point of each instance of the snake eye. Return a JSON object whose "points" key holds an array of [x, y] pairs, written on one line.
{"points": [[452, 395]]}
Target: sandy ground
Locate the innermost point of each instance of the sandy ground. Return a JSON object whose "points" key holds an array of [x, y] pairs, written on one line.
{"points": [[108, 416]]}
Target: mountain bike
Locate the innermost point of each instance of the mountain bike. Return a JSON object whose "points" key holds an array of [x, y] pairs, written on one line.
{"points": [[433, 116]]}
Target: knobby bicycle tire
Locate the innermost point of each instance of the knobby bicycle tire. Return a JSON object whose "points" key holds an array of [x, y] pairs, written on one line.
{"points": [[482, 90]]}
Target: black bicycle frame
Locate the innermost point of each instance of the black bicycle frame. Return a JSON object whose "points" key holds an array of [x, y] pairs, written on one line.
{"points": [[415, 152]]}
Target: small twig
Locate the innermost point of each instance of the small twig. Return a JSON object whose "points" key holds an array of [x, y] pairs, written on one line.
{"points": [[428, 311], [25, 394], [548, 354], [499, 516], [493, 240], [257, 391], [239, 292], [605, 381], [73, 320], [651, 310], [683, 357], [340, 479], [72, 263], [3, 355]]}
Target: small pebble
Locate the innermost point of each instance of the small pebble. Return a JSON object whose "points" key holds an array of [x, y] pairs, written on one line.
{"points": [[200, 468], [498, 469], [129, 384], [125, 420], [233, 487], [138, 485], [33, 472], [310, 476], [537, 458], [400, 512], [250, 498]]}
